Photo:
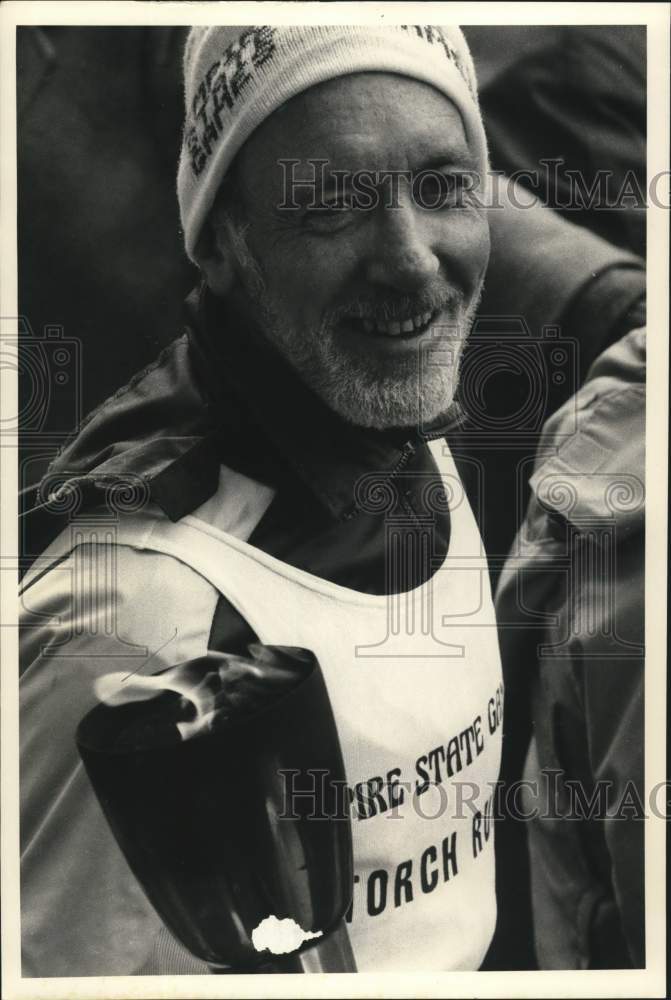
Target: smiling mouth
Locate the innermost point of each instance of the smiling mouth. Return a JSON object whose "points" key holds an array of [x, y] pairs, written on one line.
{"points": [[413, 326]]}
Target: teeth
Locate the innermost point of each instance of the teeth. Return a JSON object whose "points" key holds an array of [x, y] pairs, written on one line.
{"points": [[393, 328]]}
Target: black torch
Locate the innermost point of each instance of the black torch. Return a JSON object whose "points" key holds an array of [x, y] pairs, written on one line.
{"points": [[226, 791]]}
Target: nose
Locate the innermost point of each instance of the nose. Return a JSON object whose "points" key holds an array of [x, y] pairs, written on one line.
{"points": [[401, 255]]}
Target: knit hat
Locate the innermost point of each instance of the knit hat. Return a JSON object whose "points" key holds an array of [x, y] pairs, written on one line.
{"points": [[235, 77]]}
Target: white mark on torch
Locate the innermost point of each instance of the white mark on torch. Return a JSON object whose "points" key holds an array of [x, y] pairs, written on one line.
{"points": [[280, 936]]}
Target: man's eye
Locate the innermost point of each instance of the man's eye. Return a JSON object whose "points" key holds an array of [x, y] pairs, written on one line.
{"points": [[329, 215], [434, 190], [329, 207]]}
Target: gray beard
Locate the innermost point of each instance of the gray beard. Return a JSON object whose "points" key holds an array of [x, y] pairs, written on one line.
{"points": [[410, 391]]}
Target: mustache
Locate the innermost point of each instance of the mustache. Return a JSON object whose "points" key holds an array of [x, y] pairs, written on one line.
{"points": [[398, 308]]}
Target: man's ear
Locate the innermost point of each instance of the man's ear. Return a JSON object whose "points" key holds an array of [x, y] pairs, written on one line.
{"points": [[215, 260]]}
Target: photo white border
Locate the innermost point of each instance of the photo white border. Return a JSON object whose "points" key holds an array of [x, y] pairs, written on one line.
{"points": [[621, 983]]}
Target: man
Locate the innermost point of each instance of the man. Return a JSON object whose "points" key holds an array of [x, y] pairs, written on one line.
{"points": [[281, 474], [282, 414]]}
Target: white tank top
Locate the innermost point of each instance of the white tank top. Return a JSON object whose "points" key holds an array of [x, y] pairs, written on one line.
{"points": [[415, 684]]}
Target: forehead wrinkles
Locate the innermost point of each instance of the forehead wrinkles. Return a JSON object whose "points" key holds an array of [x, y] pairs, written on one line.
{"points": [[362, 121]]}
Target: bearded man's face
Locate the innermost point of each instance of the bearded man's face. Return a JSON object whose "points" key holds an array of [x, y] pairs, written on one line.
{"points": [[363, 270]]}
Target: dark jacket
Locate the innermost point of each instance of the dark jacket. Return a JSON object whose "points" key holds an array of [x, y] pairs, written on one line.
{"points": [[577, 99]]}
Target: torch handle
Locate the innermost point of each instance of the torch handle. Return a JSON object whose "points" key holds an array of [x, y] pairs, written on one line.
{"points": [[332, 953]]}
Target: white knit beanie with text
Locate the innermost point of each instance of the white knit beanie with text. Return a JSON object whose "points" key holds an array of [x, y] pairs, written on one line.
{"points": [[235, 77]]}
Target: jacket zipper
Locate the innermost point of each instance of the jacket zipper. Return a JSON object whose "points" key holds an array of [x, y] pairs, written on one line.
{"points": [[407, 452]]}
